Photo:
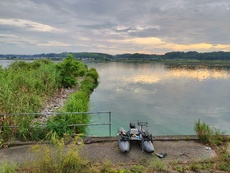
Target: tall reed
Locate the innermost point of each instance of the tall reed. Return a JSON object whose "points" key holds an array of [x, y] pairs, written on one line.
{"points": [[25, 88]]}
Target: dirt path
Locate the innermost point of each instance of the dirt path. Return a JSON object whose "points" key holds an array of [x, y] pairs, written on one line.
{"points": [[108, 151], [176, 151]]}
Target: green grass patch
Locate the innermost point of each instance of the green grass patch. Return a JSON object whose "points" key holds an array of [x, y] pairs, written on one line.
{"points": [[26, 87], [6, 167], [209, 135]]}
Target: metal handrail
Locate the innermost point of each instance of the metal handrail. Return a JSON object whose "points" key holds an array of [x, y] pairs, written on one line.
{"points": [[66, 113], [54, 113]]}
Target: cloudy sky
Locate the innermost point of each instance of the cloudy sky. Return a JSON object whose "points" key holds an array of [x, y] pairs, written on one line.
{"points": [[114, 26]]}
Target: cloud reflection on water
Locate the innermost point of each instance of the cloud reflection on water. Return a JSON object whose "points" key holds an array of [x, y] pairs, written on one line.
{"points": [[171, 99], [200, 75]]}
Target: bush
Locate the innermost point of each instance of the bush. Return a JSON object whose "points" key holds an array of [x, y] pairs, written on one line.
{"points": [[208, 135], [93, 73], [25, 87], [90, 82], [57, 158], [76, 102], [19, 65], [69, 70]]}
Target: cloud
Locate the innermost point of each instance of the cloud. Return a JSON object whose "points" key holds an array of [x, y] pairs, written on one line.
{"points": [[28, 25], [16, 40], [54, 43], [135, 28], [157, 43], [151, 41], [130, 26]]}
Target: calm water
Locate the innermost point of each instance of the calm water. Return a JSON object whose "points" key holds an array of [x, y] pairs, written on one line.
{"points": [[170, 99]]}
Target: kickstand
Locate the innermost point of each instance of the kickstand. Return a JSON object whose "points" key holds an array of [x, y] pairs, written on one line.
{"points": [[161, 155], [142, 149]]}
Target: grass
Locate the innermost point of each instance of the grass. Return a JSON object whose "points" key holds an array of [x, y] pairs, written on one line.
{"points": [[56, 158], [209, 135], [156, 165], [76, 102], [26, 87], [59, 157], [6, 167], [212, 137]]}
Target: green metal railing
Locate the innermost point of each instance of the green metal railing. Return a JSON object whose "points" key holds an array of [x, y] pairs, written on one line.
{"points": [[109, 123]]}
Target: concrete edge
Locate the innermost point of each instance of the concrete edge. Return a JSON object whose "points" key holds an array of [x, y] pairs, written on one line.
{"points": [[95, 139], [155, 138]]}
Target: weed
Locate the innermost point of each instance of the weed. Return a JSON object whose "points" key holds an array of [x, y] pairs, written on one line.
{"points": [[208, 135], [76, 102], [58, 157], [180, 168], [223, 160], [8, 167], [195, 167], [157, 165], [137, 169], [25, 87], [187, 138], [105, 167], [1, 141]]}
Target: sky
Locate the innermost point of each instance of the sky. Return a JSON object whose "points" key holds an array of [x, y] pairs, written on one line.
{"points": [[114, 26]]}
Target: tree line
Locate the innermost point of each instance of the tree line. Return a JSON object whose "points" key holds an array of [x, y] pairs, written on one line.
{"points": [[191, 55]]}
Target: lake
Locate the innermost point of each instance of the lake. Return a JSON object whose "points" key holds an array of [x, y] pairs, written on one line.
{"points": [[171, 99]]}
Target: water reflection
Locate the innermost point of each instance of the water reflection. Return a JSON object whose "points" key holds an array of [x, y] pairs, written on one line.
{"points": [[201, 74], [170, 99]]}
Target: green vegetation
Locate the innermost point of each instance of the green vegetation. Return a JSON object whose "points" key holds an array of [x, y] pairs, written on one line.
{"points": [[156, 165], [69, 69], [61, 158], [8, 167], [66, 158], [209, 135], [58, 157], [26, 87], [76, 102], [191, 55]]}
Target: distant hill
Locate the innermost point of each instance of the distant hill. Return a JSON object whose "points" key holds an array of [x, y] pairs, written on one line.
{"points": [[191, 55]]}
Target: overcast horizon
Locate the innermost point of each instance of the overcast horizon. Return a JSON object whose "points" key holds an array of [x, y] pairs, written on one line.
{"points": [[114, 27]]}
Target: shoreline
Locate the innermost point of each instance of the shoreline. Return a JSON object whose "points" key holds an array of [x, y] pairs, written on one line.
{"points": [[180, 151], [106, 149], [107, 139]]}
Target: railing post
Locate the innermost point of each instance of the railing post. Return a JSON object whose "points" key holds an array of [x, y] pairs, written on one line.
{"points": [[110, 124], [64, 113]]}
